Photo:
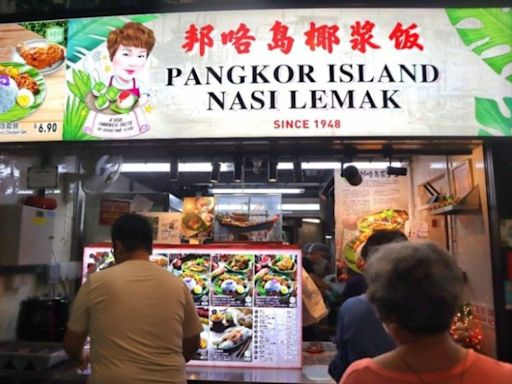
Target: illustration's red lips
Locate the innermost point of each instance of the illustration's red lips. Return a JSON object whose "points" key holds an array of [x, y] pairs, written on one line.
{"points": [[130, 71]]}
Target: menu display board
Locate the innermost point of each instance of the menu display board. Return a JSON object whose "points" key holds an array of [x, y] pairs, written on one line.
{"points": [[32, 80], [247, 297]]}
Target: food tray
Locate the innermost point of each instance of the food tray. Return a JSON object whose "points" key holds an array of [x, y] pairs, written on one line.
{"points": [[23, 355]]}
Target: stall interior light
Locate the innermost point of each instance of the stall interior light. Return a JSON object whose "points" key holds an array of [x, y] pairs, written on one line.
{"points": [[284, 191], [238, 170], [174, 170], [301, 207], [272, 170], [215, 173], [311, 220], [228, 167]]}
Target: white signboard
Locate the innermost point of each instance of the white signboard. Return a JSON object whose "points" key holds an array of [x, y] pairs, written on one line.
{"points": [[289, 73]]}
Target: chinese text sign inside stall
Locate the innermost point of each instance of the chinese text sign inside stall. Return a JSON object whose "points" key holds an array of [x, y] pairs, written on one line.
{"points": [[281, 73], [247, 297]]}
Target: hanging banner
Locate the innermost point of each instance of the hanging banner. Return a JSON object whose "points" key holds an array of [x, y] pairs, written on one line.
{"points": [[32, 80], [280, 73]]}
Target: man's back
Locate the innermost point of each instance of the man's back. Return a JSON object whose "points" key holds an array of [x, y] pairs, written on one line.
{"points": [[138, 316], [360, 334]]}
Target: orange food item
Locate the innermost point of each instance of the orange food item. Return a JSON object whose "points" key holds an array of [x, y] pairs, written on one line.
{"points": [[42, 57]]}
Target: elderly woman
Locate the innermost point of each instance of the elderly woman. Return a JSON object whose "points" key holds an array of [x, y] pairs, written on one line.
{"points": [[416, 289]]}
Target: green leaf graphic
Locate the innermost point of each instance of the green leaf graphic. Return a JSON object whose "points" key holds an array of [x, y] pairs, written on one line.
{"points": [[84, 35], [495, 31], [489, 115], [74, 119]]}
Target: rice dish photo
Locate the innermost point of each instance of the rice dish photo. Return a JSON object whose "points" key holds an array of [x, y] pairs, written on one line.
{"points": [[8, 93]]}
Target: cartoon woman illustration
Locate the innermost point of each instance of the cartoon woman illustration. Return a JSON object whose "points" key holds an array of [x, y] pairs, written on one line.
{"points": [[129, 48]]}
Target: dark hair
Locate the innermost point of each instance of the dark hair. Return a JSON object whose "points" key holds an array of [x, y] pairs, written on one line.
{"points": [[416, 286], [134, 233], [379, 238]]}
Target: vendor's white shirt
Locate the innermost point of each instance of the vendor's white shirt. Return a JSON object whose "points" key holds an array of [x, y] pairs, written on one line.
{"points": [[137, 315]]}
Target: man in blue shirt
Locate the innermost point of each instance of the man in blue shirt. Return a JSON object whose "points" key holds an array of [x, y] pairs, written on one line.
{"points": [[359, 332]]}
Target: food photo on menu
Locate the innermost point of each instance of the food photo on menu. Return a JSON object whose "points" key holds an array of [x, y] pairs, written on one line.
{"points": [[202, 352], [32, 70], [231, 334], [275, 280], [100, 258], [232, 280], [194, 270]]}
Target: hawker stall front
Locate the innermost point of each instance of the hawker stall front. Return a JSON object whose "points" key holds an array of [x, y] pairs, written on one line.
{"points": [[247, 137]]}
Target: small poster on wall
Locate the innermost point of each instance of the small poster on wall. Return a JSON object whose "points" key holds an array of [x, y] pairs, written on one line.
{"points": [[379, 202], [166, 226], [111, 210], [197, 218], [248, 218]]}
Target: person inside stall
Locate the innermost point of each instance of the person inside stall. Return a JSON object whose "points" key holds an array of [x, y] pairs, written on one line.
{"points": [[416, 289], [359, 333], [314, 261], [140, 319]]}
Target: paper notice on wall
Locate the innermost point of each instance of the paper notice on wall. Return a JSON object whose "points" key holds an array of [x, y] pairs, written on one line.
{"points": [[166, 226], [380, 202], [140, 204]]}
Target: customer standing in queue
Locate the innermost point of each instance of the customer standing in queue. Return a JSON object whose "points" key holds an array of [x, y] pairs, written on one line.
{"points": [[359, 332], [416, 289], [141, 319]]}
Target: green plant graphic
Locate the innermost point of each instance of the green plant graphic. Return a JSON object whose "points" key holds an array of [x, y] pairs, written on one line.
{"points": [[494, 30], [76, 111], [85, 35], [489, 115]]}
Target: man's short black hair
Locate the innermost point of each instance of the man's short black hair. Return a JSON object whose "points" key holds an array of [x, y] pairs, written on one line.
{"points": [[381, 237], [134, 232]]}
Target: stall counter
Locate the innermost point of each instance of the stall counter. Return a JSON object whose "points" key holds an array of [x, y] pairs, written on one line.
{"points": [[314, 371]]}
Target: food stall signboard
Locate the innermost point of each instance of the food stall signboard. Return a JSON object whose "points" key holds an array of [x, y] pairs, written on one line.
{"points": [[261, 73], [247, 297]]}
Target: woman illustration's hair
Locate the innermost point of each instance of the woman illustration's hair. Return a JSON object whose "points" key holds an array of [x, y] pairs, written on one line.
{"points": [[130, 35], [417, 286]]}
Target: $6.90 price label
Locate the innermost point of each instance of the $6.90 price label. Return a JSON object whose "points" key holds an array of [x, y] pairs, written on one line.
{"points": [[46, 127]]}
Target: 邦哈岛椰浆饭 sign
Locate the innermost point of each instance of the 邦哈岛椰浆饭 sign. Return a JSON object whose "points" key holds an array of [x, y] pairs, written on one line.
{"points": [[268, 73]]}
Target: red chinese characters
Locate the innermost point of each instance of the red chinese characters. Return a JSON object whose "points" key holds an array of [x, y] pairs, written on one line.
{"points": [[241, 38], [280, 38], [362, 36], [202, 36], [323, 36], [405, 38]]}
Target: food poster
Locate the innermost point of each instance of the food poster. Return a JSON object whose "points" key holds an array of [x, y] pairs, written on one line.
{"points": [[231, 334], [197, 218], [232, 280], [275, 281], [204, 316], [264, 331], [380, 202], [99, 258], [32, 80], [194, 269], [248, 218]]}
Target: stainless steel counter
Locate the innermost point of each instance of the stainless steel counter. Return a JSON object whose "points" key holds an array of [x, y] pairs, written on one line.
{"points": [[314, 371]]}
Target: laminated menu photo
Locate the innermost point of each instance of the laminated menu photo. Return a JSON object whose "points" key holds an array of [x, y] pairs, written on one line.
{"points": [[275, 281], [231, 334], [232, 280], [194, 270]]}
